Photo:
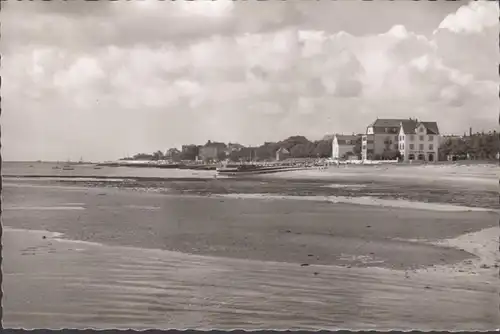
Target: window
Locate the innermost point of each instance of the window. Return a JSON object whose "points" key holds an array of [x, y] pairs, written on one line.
{"points": [[421, 137], [370, 151], [364, 138], [402, 137], [396, 138], [431, 138], [421, 130], [395, 146], [370, 141], [402, 146], [412, 146], [364, 147], [421, 147], [412, 138], [431, 147]]}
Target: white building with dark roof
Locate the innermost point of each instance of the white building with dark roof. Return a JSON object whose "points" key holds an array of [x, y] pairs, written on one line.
{"points": [[414, 140], [343, 146]]}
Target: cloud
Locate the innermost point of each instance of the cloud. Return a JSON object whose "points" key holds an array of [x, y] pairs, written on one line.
{"points": [[142, 76], [472, 18]]}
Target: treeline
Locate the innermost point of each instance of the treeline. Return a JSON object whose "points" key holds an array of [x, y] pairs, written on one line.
{"points": [[477, 146], [298, 146]]}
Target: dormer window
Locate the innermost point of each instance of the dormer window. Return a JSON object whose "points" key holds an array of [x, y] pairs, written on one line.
{"points": [[421, 130]]}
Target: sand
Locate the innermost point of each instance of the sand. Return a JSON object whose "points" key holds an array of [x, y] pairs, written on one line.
{"points": [[224, 254], [366, 200], [286, 230], [482, 176]]}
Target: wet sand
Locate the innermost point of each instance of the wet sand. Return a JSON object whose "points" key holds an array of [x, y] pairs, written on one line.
{"points": [[286, 230], [53, 283], [179, 254]]}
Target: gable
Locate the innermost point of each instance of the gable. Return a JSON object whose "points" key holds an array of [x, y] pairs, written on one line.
{"points": [[421, 129]]}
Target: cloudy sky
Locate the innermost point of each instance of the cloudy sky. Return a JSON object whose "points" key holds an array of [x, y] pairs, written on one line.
{"points": [[105, 79]]}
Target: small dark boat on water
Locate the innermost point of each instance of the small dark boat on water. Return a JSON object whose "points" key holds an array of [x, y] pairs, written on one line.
{"points": [[168, 166]]}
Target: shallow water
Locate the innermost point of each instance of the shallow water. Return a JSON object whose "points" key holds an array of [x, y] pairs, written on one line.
{"points": [[52, 283], [46, 168]]}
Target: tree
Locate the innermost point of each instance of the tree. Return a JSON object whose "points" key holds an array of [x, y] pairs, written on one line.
{"points": [[357, 147], [221, 155], [189, 152], [142, 156], [323, 148], [391, 155], [158, 155]]}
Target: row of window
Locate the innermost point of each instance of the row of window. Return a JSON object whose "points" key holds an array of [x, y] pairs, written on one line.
{"points": [[401, 138], [412, 146], [412, 138]]}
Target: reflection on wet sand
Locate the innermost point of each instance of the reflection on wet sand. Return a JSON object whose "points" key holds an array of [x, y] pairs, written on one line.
{"points": [[52, 283]]}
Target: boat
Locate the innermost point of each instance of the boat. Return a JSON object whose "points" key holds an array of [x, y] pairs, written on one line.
{"points": [[67, 166]]}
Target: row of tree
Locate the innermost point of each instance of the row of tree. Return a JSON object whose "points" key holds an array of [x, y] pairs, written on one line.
{"points": [[475, 146]]}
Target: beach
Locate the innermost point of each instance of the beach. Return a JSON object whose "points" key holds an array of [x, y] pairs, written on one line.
{"points": [[305, 250]]}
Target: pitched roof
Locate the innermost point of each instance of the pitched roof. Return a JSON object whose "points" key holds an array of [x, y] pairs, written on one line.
{"points": [[341, 139], [431, 127], [387, 122], [409, 126]]}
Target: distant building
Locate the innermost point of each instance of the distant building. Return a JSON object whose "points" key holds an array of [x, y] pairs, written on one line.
{"points": [[233, 147], [282, 154], [212, 151], [409, 138], [173, 154], [190, 152], [208, 153], [343, 146]]}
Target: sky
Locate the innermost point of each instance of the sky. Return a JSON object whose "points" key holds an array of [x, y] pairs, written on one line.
{"points": [[102, 80]]}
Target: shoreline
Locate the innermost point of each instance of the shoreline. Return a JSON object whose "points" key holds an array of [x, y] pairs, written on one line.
{"points": [[482, 245], [365, 201]]}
